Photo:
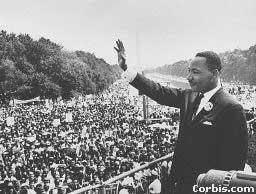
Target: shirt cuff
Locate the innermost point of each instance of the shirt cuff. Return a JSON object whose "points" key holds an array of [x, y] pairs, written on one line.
{"points": [[129, 75]]}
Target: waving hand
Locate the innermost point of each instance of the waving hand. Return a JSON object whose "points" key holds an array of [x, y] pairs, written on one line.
{"points": [[121, 54]]}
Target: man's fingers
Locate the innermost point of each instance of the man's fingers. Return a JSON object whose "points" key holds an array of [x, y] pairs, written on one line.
{"points": [[121, 44], [117, 43], [117, 50]]}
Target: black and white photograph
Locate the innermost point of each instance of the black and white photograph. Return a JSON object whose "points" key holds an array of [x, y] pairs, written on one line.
{"points": [[127, 97]]}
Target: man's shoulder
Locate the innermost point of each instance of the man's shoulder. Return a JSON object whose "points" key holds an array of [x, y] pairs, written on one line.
{"points": [[227, 100]]}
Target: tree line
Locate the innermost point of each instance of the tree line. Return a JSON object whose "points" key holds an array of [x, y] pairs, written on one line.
{"points": [[238, 66], [31, 68]]}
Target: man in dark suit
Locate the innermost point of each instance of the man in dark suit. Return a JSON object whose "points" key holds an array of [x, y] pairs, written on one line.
{"points": [[212, 131]]}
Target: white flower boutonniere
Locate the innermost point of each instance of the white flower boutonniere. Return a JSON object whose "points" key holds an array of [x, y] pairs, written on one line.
{"points": [[208, 106]]}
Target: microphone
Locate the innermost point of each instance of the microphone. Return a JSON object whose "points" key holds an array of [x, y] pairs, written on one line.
{"points": [[241, 181]]}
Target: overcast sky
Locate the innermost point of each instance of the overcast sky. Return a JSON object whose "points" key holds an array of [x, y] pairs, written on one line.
{"points": [[154, 32]]}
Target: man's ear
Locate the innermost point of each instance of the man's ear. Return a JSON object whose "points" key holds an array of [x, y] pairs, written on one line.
{"points": [[216, 73]]}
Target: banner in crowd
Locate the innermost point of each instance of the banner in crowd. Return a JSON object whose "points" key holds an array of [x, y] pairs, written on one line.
{"points": [[16, 101], [89, 96], [56, 122], [108, 133], [84, 131], [69, 117], [47, 104], [31, 138], [10, 121]]}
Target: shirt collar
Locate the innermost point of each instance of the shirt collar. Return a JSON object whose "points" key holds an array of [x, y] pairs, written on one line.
{"points": [[210, 93]]}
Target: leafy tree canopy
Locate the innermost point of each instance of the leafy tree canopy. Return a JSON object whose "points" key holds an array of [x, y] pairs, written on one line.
{"points": [[30, 68]]}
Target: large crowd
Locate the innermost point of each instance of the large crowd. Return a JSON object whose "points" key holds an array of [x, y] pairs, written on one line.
{"points": [[58, 147]]}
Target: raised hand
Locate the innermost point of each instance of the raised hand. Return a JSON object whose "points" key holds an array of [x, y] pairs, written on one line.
{"points": [[121, 54]]}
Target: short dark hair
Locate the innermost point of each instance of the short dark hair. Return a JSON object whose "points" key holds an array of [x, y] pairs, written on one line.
{"points": [[212, 59]]}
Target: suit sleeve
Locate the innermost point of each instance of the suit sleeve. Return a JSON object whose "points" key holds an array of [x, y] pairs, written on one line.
{"points": [[233, 139], [163, 95]]}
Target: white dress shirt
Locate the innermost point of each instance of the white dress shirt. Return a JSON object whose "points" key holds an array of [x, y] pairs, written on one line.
{"points": [[207, 97]]}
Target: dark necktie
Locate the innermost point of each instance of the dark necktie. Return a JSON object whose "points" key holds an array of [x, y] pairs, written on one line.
{"points": [[196, 104]]}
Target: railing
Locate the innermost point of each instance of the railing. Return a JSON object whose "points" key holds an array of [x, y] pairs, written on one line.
{"points": [[111, 186]]}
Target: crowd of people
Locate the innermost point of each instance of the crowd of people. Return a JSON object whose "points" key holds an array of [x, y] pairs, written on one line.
{"points": [[58, 147]]}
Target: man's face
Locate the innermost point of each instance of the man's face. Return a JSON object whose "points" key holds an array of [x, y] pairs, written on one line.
{"points": [[200, 78]]}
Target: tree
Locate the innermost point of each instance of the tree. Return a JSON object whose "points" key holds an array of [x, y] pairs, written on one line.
{"points": [[30, 68]]}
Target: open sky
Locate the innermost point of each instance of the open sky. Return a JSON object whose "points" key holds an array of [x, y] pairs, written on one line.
{"points": [[154, 32]]}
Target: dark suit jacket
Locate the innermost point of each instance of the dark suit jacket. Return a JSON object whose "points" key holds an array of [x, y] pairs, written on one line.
{"points": [[201, 147]]}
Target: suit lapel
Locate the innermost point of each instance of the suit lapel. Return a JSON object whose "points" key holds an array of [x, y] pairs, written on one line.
{"points": [[190, 107], [203, 112]]}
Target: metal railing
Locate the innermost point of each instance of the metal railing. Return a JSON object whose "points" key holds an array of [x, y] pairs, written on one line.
{"points": [[111, 186]]}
